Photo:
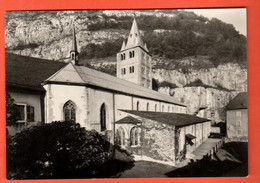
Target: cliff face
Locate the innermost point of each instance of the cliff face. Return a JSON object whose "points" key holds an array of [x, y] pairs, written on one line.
{"points": [[221, 85]]}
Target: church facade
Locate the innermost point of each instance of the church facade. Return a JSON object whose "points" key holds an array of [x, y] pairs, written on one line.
{"points": [[125, 109]]}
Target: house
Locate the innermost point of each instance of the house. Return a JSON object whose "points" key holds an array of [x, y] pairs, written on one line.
{"points": [[124, 108], [24, 76], [237, 117]]}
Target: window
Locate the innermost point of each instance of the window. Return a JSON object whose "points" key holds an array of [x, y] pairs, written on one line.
{"points": [[25, 113], [120, 136], [238, 123], [133, 53], [147, 107], [155, 107], [122, 57], [103, 117], [172, 108], [168, 108], [137, 106], [239, 132], [238, 114], [130, 54], [123, 71], [69, 110], [30, 113], [72, 56], [131, 69], [135, 136], [163, 108]]}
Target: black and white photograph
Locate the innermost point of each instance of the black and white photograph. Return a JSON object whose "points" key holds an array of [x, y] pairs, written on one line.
{"points": [[145, 93]]}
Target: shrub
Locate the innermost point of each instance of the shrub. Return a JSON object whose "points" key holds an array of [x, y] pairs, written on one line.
{"points": [[56, 150]]}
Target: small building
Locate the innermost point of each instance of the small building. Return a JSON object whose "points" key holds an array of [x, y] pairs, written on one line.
{"points": [[24, 76], [237, 117]]}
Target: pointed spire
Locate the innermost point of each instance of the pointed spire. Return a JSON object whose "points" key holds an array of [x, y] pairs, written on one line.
{"points": [[74, 41], [134, 37], [123, 46], [74, 54]]}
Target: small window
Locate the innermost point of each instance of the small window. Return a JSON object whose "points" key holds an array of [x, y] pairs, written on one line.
{"points": [[133, 53], [135, 136], [163, 108], [238, 123], [21, 112], [147, 107], [30, 113], [239, 132], [137, 106], [155, 108], [103, 117], [238, 114], [130, 54], [133, 69], [124, 56], [168, 108]]}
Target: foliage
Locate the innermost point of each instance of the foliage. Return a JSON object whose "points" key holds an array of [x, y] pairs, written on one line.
{"points": [[11, 112], [56, 150], [186, 34]]}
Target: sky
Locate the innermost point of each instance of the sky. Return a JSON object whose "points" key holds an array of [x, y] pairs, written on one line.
{"points": [[234, 16]]}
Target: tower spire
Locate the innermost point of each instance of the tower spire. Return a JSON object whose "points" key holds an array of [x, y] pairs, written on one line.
{"points": [[134, 38], [74, 55]]}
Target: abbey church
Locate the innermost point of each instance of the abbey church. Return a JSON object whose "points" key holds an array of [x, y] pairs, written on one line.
{"points": [[151, 125]]}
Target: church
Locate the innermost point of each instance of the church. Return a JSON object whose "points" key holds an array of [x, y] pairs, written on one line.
{"points": [[151, 125]]}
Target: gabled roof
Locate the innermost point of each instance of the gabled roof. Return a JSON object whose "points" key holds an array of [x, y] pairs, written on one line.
{"points": [[173, 119], [29, 72], [96, 78], [128, 120], [239, 102]]}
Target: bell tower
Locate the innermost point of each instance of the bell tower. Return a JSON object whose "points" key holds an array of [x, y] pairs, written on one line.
{"points": [[134, 59], [74, 54]]}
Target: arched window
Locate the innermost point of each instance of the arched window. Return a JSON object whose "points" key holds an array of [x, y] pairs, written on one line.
{"points": [[135, 136], [120, 134], [130, 54], [155, 108], [69, 110], [103, 117], [137, 106], [147, 107]]}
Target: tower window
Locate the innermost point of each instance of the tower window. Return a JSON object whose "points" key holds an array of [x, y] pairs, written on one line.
{"points": [[69, 110], [103, 117], [123, 71], [163, 108], [168, 108], [155, 108], [137, 106], [133, 53], [147, 107], [131, 69], [130, 54], [122, 57]]}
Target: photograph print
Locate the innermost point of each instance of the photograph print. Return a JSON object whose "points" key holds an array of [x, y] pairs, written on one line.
{"points": [[126, 93]]}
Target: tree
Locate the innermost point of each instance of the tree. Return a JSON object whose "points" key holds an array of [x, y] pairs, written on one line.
{"points": [[11, 112], [56, 150]]}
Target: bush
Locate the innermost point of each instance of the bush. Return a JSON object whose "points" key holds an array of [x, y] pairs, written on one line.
{"points": [[56, 150]]}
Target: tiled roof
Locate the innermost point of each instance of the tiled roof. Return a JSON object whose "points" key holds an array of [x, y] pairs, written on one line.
{"points": [[239, 102], [173, 119], [128, 120], [96, 78], [29, 72]]}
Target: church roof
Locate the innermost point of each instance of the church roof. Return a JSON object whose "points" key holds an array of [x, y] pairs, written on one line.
{"points": [[239, 102], [173, 119], [85, 76], [29, 72]]}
